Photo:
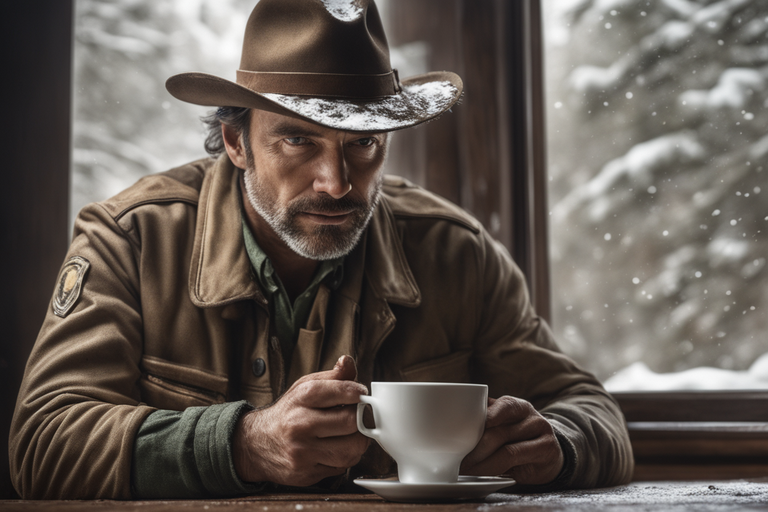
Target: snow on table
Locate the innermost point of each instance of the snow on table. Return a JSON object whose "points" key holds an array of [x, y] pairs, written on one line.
{"points": [[647, 496]]}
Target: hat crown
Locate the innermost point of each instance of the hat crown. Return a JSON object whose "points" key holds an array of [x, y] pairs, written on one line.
{"points": [[305, 36]]}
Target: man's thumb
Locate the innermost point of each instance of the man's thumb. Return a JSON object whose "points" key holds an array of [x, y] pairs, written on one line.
{"points": [[345, 368]]}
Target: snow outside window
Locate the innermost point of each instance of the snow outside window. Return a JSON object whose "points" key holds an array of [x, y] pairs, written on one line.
{"points": [[126, 125], [657, 114]]}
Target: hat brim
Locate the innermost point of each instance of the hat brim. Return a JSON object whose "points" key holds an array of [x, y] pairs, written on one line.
{"points": [[423, 97]]}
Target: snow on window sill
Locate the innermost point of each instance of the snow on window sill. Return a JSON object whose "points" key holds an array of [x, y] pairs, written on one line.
{"points": [[638, 377]]}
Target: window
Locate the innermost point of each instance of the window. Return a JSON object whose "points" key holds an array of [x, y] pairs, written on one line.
{"points": [[657, 172], [658, 179]]}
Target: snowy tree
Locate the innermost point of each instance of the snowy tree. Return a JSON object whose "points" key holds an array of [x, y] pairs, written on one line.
{"points": [[659, 181], [125, 123]]}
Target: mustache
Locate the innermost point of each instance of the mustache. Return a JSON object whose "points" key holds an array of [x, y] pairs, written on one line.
{"points": [[326, 204]]}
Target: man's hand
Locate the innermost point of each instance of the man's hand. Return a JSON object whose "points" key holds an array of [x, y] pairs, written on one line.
{"points": [[518, 441], [310, 433]]}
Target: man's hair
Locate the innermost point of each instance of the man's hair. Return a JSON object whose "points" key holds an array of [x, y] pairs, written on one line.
{"points": [[238, 118]]}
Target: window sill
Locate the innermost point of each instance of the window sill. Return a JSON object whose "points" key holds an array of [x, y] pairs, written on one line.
{"points": [[687, 406], [697, 435]]}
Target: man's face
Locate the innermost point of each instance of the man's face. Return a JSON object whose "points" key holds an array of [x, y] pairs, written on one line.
{"points": [[315, 187]]}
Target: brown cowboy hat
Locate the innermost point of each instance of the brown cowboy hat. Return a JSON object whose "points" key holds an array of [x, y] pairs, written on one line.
{"points": [[325, 61]]}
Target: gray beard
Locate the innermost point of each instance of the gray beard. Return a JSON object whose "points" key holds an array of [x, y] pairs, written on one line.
{"points": [[322, 242]]}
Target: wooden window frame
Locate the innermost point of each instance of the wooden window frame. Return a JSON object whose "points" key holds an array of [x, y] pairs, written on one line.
{"points": [[492, 160], [34, 198], [697, 434]]}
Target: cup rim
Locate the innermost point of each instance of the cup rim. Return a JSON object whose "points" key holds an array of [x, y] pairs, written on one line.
{"points": [[430, 384]]}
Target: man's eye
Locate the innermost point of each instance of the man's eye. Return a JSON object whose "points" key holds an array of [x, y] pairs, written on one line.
{"points": [[296, 141], [365, 142]]}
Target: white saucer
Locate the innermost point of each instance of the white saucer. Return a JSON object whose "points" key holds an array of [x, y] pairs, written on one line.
{"points": [[467, 488]]}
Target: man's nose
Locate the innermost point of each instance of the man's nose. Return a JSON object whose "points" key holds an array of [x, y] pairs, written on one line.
{"points": [[333, 175]]}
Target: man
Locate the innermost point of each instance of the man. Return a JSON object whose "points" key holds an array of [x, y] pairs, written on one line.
{"points": [[214, 325]]}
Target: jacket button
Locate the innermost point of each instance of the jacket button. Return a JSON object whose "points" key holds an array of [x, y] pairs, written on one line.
{"points": [[258, 367]]}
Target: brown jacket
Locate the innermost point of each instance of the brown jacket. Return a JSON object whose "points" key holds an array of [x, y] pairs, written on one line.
{"points": [[171, 316]]}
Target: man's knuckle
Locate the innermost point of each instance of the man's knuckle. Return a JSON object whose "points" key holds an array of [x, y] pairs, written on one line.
{"points": [[307, 390], [515, 408], [300, 387], [511, 450], [539, 426], [525, 406], [352, 390], [507, 401]]}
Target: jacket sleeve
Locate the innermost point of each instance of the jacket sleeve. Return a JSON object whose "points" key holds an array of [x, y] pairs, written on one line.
{"points": [[78, 408], [517, 356]]}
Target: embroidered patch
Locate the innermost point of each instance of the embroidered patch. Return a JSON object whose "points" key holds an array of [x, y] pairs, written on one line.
{"points": [[70, 285]]}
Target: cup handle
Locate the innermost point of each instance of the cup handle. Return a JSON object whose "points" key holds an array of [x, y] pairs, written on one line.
{"points": [[373, 433]]}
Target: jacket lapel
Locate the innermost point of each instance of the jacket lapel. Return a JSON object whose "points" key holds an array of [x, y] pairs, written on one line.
{"points": [[220, 271], [389, 280], [386, 267]]}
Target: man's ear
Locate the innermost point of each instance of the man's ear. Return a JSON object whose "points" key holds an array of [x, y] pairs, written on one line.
{"points": [[234, 146]]}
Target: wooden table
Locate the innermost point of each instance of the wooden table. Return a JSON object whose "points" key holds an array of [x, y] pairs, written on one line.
{"points": [[717, 496]]}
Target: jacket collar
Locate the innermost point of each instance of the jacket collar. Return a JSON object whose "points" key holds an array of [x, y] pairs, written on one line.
{"points": [[220, 271]]}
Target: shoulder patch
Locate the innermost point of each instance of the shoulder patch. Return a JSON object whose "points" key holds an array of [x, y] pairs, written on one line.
{"points": [[70, 285]]}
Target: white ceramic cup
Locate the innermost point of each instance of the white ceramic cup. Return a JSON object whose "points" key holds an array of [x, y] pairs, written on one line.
{"points": [[427, 427]]}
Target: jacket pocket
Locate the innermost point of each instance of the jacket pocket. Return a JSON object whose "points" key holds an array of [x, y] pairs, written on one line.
{"points": [[451, 368], [174, 386]]}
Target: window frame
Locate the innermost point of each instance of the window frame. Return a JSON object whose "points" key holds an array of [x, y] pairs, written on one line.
{"points": [[37, 53]]}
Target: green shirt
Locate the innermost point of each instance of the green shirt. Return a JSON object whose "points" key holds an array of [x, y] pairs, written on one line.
{"points": [[289, 318], [188, 454]]}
